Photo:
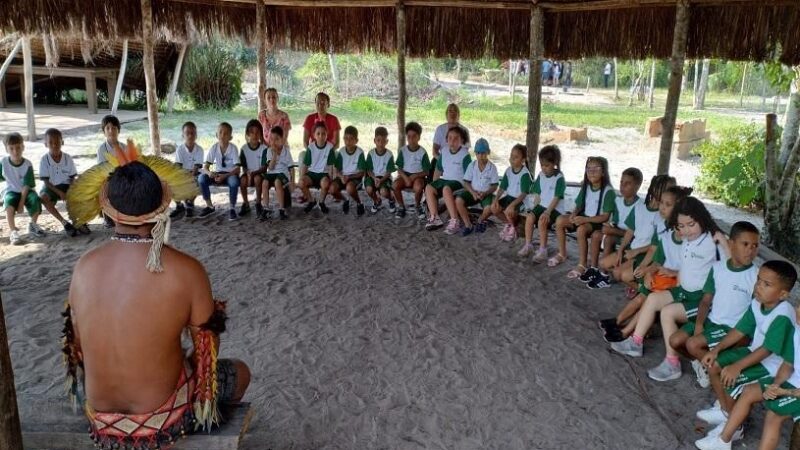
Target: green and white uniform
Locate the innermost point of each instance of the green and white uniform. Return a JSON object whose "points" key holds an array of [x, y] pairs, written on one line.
{"points": [[59, 174], [669, 250], [622, 209], [697, 257], [643, 221], [591, 202], [547, 188], [17, 177], [789, 405], [481, 181], [413, 161], [513, 184], [283, 166], [452, 167], [317, 160], [349, 164], [380, 165], [251, 158]]}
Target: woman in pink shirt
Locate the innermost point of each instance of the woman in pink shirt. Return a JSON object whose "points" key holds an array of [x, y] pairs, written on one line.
{"points": [[272, 116]]}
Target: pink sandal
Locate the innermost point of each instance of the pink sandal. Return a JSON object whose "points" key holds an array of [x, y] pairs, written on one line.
{"points": [[556, 260], [576, 272]]}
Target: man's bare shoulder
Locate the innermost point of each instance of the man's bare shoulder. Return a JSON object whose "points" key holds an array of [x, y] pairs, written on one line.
{"points": [[174, 259]]}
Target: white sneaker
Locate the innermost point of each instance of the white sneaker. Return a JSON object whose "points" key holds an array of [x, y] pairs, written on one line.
{"points": [[712, 443], [701, 373], [628, 347], [36, 230], [713, 416], [664, 372], [14, 238], [738, 434]]}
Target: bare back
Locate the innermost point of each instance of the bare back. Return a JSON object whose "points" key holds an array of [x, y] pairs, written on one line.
{"points": [[129, 321]]}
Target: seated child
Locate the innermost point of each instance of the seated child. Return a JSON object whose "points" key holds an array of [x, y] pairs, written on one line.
{"points": [[350, 167], [413, 165], [514, 187], [57, 171], [111, 128], [771, 324], [224, 156], [251, 158], [547, 202], [20, 191], [450, 167], [480, 183], [279, 163], [315, 173], [188, 155], [593, 207], [380, 165]]}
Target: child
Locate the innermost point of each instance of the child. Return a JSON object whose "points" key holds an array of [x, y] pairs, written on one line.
{"points": [[480, 183], [770, 323], [514, 188], [189, 155], [380, 165], [413, 165], [447, 178], [57, 171], [350, 167], [317, 163], [279, 163], [547, 202], [593, 207], [251, 159], [225, 158], [20, 192], [111, 128], [699, 252]]}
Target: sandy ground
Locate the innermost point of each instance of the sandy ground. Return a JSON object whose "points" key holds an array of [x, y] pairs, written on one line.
{"points": [[367, 333]]}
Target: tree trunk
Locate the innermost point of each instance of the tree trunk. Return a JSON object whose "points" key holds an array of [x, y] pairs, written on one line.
{"points": [[700, 102], [10, 431], [120, 78], [696, 81], [616, 81], [674, 92], [150, 75], [536, 49], [744, 79], [401, 75], [515, 67], [261, 53], [27, 63], [791, 121], [458, 70], [334, 74], [651, 98]]}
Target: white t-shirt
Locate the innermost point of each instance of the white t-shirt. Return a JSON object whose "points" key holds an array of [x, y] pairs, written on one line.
{"points": [[548, 188], [515, 183], [733, 292], [453, 165], [481, 181], [189, 159], [411, 160], [380, 162], [106, 149], [285, 161], [672, 250], [318, 159], [440, 136], [57, 172], [644, 222], [351, 163], [223, 163], [251, 158], [16, 177], [696, 260]]}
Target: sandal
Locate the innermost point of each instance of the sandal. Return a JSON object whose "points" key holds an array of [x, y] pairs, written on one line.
{"points": [[631, 293], [576, 272], [556, 260]]}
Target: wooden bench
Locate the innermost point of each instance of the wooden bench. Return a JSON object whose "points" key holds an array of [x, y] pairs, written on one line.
{"points": [[51, 424]]}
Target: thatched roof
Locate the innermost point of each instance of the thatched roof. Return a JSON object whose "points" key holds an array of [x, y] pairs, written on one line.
{"points": [[732, 29]]}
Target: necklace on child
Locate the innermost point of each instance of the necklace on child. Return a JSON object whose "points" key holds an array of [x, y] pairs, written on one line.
{"points": [[131, 238]]}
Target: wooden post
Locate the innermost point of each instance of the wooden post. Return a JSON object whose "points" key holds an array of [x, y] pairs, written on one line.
{"points": [[10, 58], [651, 95], [514, 70], [28, 77], [120, 77], [91, 93], [674, 93], [176, 75], [535, 81], [10, 431], [150, 75], [401, 75], [616, 81], [744, 79], [3, 102], [261, 52]]}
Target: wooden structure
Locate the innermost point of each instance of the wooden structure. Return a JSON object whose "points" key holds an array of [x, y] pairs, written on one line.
{"points": [[10, 438]]}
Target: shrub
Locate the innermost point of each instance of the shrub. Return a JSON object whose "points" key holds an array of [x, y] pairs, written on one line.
{"points": [[213, 76]]}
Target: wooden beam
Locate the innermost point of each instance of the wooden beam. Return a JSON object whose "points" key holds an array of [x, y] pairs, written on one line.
{"points": [[10, 431], [674, 93], [150, 75], [28, 81], [261, 53], [401, 75], [3, 100], [10, 58], [121, 77], [176, 76], [535, 81], [91, 93], [71, 72]]}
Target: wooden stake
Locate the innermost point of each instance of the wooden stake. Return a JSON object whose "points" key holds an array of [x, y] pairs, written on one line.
{"points": [[176, 76], [616, 81], [28, 75], [122, 67], [10, 431], [744, 79], [150, 75], [674, 93], [651, 94], [401, 75], [535, 81], [91, 93], [261, 53]]}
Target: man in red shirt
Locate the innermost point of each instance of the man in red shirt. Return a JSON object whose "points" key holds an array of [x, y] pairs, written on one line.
{"points": [[323, 102]]}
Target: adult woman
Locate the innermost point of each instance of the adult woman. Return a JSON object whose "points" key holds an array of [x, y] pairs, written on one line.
{"points": [[272, 116]]}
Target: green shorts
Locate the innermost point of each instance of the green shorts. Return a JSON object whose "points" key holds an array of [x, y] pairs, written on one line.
{"points": [[32, 203], [595, 226], [749, 375], [385, 184], [782, 406], [469, 200], [637, 260], [690, 300], [316, 178], [713, 332], [273, 177], [340, 184], [538, 210], [507, 200], [441, 183], [52, 195]]}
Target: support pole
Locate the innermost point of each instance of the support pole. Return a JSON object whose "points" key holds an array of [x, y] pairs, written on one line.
{"points": [[150, 75], [120, 77], [674, 93], [10, 58], [651, 95], [176, 76], [535, 81], [401, 75], [28, 76], [261, 55], [10, 431], [91, 93], [616, 81]]}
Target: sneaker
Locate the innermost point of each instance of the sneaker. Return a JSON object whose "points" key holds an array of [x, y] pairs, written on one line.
{"points": [[434, 223], [190, 211], [466, 231], [178, 212], [401, 213], [392, 207], [540, 256], [701, 373], [360, 210], [713, 416], [207, 211], [608, 324], [324, 208], [525, 250], [70, 229], [589, 274], [14, 238], [421, 212], [232, 215], [346, 206], [665, 372], [712, 442], [599, 282], [453, 226], [480, 227], [282, 214], [244, 210], [259, 209], [628, 347], [265, 215], [84, 229], [738, 434], [614, 335], [36, 230], [309, 207], [375, 208]]}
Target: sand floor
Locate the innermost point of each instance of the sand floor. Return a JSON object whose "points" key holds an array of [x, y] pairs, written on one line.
{"points": [[367, 333]]}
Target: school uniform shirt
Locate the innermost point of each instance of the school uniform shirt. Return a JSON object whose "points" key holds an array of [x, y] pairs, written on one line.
{"points": [[331, 124], [189, 159], [106, 149], [440, 136], [590, 201], [250, 158], [733, 291], [223, 163], [773, 329], [318, 159], [515, 183], [57, 173], [643, 221], [453, 165], [350, 163], [481, 180], [16, 176], [697, 257], [548, 188], [794, 380], [380, 165], [669, 250], [285, 161], [622, 210], [413, 161]]}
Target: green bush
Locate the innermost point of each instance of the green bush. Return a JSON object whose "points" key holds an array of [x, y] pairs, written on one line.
{"points": [[732, 169], [213, 76]]}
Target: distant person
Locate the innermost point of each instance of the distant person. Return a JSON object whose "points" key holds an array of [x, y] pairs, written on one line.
{"points": [[413, 165], [453, 115], [447, 179], [607, 73], [480, 184], [514, 188], [556, 73], [280, 173], [271, 117], [546, 203], [547, 67], [57, 172], [224, 156], [188, 155], [567, 76], [380, 166], [351, 165], [20, 191], [332, 126], [111, 128], [253, 164], [318, 161]]}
